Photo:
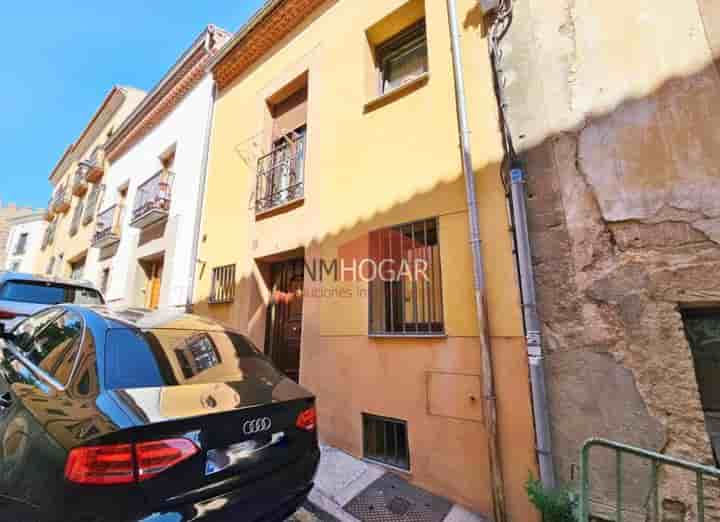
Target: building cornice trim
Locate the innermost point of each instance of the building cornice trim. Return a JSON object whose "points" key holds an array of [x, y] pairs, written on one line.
{"points": [[273, 22]]}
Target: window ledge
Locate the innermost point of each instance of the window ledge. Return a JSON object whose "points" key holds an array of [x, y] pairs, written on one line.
{"points": [[397, 92], [279, 209], [408, 336]]}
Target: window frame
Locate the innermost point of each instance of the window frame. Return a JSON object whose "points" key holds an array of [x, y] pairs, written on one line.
{"points": [[403, 43], [21, 245], [218, 294], [393, 285], [21, 353], [382, 457]]}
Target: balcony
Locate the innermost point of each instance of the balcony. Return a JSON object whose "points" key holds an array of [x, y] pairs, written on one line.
{"points": [[61, 201], [49, 211], [95, 165], [107, 227], [152, 202], [80, 184], [280, 175]]}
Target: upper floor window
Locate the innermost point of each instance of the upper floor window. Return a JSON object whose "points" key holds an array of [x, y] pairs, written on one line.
{"points": [[21, 244], [281, 176], [402, 58]]}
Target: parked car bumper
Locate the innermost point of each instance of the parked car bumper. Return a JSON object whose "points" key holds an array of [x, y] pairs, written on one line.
{"points": [[271, 499]]}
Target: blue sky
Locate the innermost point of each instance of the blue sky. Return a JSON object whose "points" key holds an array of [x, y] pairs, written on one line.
{"points": [[60, 60]]}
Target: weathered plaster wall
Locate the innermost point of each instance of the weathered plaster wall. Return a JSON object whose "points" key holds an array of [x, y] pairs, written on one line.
{"points": [[615, 110]]}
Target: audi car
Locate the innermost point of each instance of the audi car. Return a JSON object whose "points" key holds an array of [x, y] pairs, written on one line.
{"points": [[24, 294], [133, 415]]}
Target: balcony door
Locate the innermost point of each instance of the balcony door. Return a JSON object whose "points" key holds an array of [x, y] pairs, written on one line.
{"points": [[284, 316], [154, 271]]}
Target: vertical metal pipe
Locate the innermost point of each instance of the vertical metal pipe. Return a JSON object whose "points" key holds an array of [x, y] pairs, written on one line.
{"points": [[488, 380], [200, 201], [532, 330]]}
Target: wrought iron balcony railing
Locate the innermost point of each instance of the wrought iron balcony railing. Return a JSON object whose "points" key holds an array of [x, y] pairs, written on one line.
{"points": [[50, 211], [91, 204], [152, 201], [95, 164], [280, 175], [79, 183], [107, 226], [61, 200]]}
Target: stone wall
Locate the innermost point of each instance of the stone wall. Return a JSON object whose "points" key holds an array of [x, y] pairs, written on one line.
{"points": [[615, 112], [6, 213]]}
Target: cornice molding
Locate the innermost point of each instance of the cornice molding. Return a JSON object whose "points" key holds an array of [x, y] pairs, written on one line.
{"points": [[168, 93], [259, 37]]}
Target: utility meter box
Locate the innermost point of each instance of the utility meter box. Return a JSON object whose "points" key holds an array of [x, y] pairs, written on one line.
{"points": [[488, 5]]}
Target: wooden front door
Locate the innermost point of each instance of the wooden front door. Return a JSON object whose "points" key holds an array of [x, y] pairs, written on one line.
{"points": [[284, 317], [154, 283]]}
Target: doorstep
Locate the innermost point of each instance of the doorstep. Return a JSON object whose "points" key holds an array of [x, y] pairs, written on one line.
{"points": [[341, 478]]}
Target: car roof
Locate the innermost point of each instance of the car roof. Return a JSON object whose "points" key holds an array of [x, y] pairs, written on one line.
{"points": [[22, 276], [144, 318]]}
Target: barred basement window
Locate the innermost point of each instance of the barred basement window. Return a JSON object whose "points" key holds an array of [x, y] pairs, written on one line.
{"points": [[405, 295], [223, 284], [386, 440]]}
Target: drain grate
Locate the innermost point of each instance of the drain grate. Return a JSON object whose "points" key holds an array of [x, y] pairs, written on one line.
{"points": [[390, 498]]}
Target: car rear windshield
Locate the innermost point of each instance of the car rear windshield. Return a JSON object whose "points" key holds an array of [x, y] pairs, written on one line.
{"points": [[149, 358], [39, 292]]}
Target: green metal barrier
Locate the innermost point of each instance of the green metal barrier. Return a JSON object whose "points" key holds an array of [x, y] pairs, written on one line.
{"points": [[656, 460]]}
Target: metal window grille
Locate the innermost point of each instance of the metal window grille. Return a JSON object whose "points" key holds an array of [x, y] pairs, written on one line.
{"points": [[385, 440], [405, 294], [403, 57], [91, 204], [77, 214], [153, 194], [223, 284], [280, 174]]}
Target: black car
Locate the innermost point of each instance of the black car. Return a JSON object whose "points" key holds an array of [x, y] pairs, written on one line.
{"points": [[135, 415]]}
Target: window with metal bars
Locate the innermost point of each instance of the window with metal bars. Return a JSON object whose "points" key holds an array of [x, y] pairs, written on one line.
{"points": [[223, 284], [385, 440], [77, 214], [405, 296], [91, 205]]}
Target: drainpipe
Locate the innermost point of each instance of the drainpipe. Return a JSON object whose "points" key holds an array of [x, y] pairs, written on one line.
{"points": [[488, 379], [201, 192], [532, 329]]}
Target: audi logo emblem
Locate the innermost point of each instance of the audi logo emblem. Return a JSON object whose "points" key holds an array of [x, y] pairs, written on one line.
{"points": [[256, 425]]}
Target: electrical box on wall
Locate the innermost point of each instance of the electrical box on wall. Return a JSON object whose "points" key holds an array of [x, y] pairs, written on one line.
{"points": [[488, 5]]}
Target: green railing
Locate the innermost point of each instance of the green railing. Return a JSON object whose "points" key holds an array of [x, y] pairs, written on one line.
{"points": [[655, 460]]}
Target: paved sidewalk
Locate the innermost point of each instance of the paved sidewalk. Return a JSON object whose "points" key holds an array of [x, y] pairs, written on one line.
{"points": [[340, 479]]}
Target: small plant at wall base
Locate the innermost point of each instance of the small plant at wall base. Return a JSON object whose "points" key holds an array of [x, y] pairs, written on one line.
{"points": [[555, 505]]}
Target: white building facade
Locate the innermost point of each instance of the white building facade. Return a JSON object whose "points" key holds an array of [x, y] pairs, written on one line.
{"points": [[147, 222], [24, 241]]}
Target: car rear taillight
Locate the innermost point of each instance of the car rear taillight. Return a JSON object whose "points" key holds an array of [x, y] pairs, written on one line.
{"points": [[155, 457], [6, 314], [307, 419], [101, 465], [125, 463]]}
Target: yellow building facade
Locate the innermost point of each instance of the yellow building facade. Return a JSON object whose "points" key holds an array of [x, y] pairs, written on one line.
{"points": [[334, 148], [77, 181]]}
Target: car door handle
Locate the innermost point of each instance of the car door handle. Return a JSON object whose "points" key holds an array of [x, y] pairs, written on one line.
{"points": [[5, 401]]}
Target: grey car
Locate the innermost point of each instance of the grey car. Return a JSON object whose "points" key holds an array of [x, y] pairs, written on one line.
{"points": [[22, 295]]}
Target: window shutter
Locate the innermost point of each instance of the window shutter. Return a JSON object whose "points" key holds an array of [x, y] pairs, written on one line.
{"points": [[290, 113]]}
